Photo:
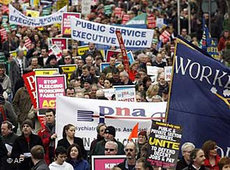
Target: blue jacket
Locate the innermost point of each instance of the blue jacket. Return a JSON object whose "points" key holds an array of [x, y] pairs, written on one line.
{"points": [[80, 164]]}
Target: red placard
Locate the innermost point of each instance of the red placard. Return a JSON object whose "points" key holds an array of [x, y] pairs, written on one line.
{"points": [[66, 31]]}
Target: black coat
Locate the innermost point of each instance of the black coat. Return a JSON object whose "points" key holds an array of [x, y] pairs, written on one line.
{"points": [[21, 146], [41, 165], [3, 153], [64, 142]]}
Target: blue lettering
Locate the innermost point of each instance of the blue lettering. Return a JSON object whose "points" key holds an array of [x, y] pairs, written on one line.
{"points": [[113, 40], [139, 112], [111, 30], [83, 35], [106, 110], [78, 23]]}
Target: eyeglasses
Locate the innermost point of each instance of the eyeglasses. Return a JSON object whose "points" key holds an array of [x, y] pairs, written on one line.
{"points": [[126, 150], [67, 58], [108, 149]]}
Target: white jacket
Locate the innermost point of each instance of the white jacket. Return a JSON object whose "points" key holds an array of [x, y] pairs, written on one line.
{"points": [[64, 166]]}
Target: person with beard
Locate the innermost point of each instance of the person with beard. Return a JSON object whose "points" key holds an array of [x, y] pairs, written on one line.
{"points": [[131, 153], [48, 135]]}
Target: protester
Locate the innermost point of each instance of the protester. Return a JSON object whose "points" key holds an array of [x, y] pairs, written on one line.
{"points": [[37, 156], [224, 163], [48, 135], [60, 160], [75, 158], [100, 135], [141, 140], [69, 139], [111, 148], [212, 158]]}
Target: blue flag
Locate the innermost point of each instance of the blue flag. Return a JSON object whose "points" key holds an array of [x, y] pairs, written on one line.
{"points": [[199, 98]]}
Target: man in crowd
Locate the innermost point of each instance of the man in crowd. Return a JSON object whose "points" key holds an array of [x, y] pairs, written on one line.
{"points": [[197, 160], [60, 157], [131, 153], [111, 148], [70, 92], [37, 156], [109, 135], [48, 135], [111, 68]]}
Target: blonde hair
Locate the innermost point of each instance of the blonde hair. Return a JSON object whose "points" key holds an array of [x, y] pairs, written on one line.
{"points": [[152, 90]]}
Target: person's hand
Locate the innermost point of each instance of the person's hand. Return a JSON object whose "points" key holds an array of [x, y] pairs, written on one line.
{"points": [[54, 136]]}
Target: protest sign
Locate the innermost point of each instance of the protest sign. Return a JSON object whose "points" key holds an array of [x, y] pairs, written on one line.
{"points": [[109, 92], [65, 30], [86, 116], [82, 49], [130, 56], [125, 93], [106, 162], [62, 43], [68, 69], [17, 18], [86, 7], [87, 31], [32, 13], [111, 53], [5, 2], [153, 70], [164, 144], [160, 22], [168, 73], [48, 88], [46, 71], [54, 49]]}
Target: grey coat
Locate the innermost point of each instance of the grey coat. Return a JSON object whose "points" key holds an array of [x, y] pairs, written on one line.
{"points": [[41, 165]]}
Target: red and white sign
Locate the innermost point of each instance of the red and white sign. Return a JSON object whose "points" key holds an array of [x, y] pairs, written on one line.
{"points": [[66, 30]]}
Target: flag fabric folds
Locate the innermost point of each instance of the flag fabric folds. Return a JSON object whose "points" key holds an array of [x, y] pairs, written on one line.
{"points": [[199, 98]]}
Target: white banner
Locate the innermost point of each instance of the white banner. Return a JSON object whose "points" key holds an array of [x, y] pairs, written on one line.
{"points": [[17, 18], [122, 115], [87, 31]]}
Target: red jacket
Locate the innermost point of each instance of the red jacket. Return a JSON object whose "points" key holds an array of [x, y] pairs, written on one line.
{"points": [[45, 135], [208, 165]]}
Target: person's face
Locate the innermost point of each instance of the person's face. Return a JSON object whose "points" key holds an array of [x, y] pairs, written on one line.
{"points": [[43, 52], [86, 85], [226, 167], [34, 62], [74, 153], [70, 132], [85, 72], [108, 136], [89, 60], [184, 32], [130, 151], [60, 159], [226, 34], [102, 131], [141, 139], [2, 71], [213, 152], [50, 117], [186, 153], [199, 160], [67, 59], [107, 84], [80, 63], [112, 61], [162, 79], [91, 46], [4, 129], [53, 62], [70, 93], [26, 129], [122, 77], [139, 166], [159, 58], [92, 70], [110, 149]]}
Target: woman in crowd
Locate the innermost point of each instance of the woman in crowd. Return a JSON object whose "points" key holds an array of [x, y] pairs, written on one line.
{"points": [[100, 135], [69, 139], [75, 158], [212, 158]]}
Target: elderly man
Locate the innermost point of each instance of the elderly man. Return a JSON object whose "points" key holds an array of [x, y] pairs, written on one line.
{"points": [[197, 160], [131, 154], [111, 148], [109, 135], [186, 149]]}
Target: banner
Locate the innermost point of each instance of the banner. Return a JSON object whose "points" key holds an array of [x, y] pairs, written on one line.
{"points": [[68, 69], [62, 43], [83, 30], [106, 162], [85, 114], [199, 99], [164, 145], [48, 88], [46, 71], [16, 17], [138, 20], [125, 93], [65, 30]]}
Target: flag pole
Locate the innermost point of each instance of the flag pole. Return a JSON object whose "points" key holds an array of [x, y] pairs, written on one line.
{"points": [[189, 17], [178, 17]]}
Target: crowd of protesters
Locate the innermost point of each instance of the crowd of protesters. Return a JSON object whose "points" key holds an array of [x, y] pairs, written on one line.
{"points": [[88, 81]]}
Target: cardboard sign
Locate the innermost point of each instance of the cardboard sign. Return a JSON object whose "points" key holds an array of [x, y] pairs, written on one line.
{"points": [[66, 30]]}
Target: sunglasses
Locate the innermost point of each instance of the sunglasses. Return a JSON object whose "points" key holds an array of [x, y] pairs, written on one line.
{"points": [[108, 149], [67, 58], [126, 150]]}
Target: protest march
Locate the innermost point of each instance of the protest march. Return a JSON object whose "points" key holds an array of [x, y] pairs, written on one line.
{"points": [[114, 85]]}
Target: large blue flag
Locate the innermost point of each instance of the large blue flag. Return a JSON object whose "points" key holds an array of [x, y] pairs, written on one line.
{"points": [[199, 100]]}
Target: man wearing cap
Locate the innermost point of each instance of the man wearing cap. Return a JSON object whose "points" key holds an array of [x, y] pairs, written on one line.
{"points": [[109, 135], [23, 144]]}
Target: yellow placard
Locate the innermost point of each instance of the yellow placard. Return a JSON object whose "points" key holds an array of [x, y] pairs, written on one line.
{"points": [[5, 2], [82, 49], [68, 69], [46, 71], [33, 13]]}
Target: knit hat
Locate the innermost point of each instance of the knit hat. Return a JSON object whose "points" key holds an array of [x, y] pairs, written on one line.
{"points": [[28, 122], [143, 133], [111, 130]]}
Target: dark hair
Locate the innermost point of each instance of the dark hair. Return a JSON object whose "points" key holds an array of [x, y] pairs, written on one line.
{"points": [[65, 128], [145, 164], [79, 157], [193, 154], [9, 124], [37, 152], [69, 88], [223, 161], [51, 110], [207, 146], [60, 150]]}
